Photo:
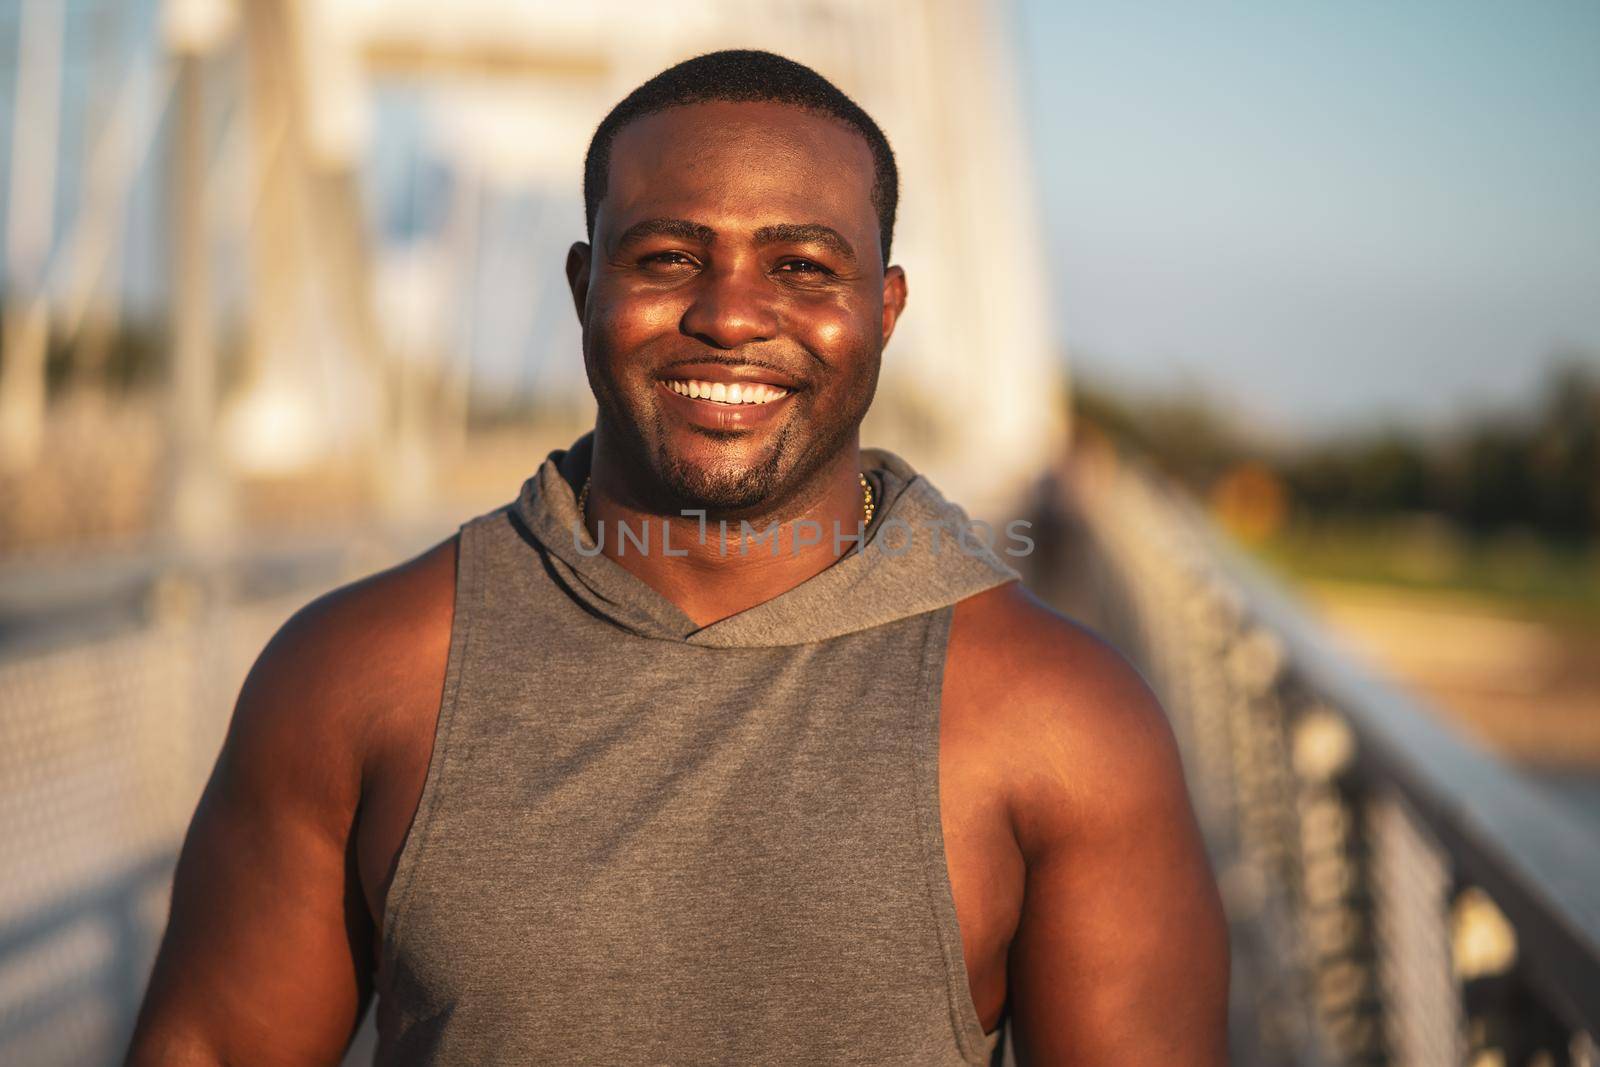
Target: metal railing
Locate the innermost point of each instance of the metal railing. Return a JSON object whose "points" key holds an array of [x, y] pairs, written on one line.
{"points": [[112, 710], [104, 747], [1396, 895]]}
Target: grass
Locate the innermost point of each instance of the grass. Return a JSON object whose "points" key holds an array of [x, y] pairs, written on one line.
{"points": [[1516, 575]]}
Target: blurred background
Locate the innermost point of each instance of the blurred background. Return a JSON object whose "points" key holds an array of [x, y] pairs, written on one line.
{"points": [[1281, 321]]}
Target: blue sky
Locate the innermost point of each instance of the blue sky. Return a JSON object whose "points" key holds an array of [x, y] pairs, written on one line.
{"points": [[1320, 212]]}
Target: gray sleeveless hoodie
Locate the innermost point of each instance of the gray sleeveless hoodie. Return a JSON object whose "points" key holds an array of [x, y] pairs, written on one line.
{"points": [[646, 842]]}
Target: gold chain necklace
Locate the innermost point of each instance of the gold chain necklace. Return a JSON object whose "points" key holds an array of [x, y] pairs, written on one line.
{"points": [[867, 505]]}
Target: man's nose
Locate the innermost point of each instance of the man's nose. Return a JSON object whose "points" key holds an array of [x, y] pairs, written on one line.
{"points": [[731, 308]]}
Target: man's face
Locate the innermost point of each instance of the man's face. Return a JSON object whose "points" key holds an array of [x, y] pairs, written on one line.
{"points": [[736, 254]]}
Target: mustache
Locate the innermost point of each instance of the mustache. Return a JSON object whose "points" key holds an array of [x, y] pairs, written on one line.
{"points": [[799, 371], [725, 360]]}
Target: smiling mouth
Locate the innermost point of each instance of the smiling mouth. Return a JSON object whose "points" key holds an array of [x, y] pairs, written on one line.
{"points": [[736, 394]]}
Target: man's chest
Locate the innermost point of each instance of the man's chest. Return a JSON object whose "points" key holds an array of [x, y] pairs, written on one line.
{"points": [[984, 867]]}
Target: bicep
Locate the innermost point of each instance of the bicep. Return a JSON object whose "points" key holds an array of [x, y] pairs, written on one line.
{"points": [[265, 958], [1121, 955]]}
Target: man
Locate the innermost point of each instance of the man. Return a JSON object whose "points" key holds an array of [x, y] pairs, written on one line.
{"points": [[709, 748]]}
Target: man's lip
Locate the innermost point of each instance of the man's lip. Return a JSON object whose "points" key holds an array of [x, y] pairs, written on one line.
{"points": [[728, 374], [710, 415]]}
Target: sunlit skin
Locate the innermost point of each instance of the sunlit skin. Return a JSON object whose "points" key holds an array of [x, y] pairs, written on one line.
{"points": [[1083, 894], [705, 267]]}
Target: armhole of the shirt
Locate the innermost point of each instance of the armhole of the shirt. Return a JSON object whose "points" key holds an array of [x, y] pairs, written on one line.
{"points": [[964, 1019], [414, 848]]}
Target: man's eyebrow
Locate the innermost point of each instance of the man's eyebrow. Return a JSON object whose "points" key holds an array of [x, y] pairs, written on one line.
{"points": [[806, 233], [682, 229]]}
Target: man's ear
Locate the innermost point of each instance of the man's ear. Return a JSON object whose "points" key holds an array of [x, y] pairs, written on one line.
{"points": [[894, 299], [578, 276]]}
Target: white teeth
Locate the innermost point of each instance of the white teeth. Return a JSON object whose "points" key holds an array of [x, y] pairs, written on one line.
{"points": [[723, 393]]}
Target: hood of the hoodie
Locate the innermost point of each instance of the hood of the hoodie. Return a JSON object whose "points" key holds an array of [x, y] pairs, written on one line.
{"points": [[912, 561]]}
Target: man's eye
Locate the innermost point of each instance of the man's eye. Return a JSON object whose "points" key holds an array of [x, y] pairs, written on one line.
{"points": [[667, 259], [802, 266]]}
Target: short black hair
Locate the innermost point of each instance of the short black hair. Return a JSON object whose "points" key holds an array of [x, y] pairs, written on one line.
{"points": [[743, 76]]}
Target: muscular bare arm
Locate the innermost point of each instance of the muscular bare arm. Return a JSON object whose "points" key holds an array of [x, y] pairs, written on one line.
{"points": [[1120, 956], [267, 955]]}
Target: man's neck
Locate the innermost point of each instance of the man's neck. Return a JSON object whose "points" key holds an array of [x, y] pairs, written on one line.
{"points": [[713, 567]]}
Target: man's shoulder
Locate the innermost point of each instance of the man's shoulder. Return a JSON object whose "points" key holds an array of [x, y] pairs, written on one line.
{"points": [[1083, 738], [1012, 647], [376, 625], [351, 660]]}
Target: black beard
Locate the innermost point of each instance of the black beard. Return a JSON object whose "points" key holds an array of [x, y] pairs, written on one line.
{"points": [[667, 485], [721, 491]]}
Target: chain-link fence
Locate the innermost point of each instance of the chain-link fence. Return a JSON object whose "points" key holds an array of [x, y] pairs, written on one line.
{"points": [[1396, 896], [107, 735], [104, 747]]}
